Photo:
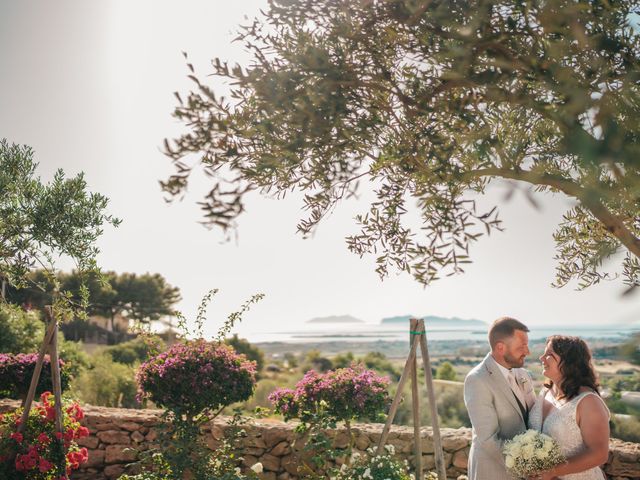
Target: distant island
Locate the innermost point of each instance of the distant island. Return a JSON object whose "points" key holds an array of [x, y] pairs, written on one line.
{"points": [[434, 320], [336, 319]]}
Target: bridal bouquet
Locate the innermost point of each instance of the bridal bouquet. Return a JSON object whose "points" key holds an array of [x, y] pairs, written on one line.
{"points": [[531, 452]]}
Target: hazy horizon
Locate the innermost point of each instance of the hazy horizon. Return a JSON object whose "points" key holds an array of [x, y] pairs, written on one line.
{"points": [[90, 87]]}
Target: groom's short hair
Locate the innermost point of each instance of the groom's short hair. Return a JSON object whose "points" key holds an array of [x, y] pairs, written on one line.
{"points": [[503, 328]]}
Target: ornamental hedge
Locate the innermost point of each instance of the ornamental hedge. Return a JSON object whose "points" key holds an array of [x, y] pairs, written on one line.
{"points": [[16, 371]]}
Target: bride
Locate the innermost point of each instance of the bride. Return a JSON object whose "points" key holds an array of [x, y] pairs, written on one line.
{"points": [[570, 410]]}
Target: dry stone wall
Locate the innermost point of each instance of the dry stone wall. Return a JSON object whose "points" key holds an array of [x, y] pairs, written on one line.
{"points": [[118, 435]]}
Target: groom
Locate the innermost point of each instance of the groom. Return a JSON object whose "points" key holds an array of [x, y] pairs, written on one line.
{"points": [[498, 394]]}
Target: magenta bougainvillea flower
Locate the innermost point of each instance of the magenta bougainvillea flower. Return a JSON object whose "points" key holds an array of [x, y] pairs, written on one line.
{"points": [[195, 376], [343, 394]]}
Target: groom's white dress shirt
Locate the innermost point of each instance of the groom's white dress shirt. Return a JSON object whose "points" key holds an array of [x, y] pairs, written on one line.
{"points": [[495, 415], [510, 377]]}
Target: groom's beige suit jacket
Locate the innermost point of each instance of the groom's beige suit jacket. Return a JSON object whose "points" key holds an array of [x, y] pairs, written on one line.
{"points": [[495, 416]]}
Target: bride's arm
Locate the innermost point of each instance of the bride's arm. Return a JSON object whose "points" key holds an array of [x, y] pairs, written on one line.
{"points": [[592, 417]]}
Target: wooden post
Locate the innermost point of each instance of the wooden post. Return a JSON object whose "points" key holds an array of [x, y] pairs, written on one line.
{"points": [[396, 399], [439, 454], [50, 343], [418, 335], [415, 400], [36, 375]]}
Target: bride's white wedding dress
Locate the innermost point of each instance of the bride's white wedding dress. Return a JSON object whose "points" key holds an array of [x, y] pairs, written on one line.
{"points": [[560, 424]]}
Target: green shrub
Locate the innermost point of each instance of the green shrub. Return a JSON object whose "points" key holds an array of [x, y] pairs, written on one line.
{"points": [[626, 428], [135, 351], [446, 372], [343, 360], [315, 361], [20, 331], [108, 384], [243, 346], [379, 362]]}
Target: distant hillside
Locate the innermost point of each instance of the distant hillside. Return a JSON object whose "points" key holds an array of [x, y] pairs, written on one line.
{"points": [[335, 319], [433, 320]]}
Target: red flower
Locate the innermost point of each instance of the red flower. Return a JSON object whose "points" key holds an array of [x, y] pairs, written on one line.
{"points": [[82, 432], [58, 435], [69, 434], [44, 465], [45, 398], [43, 438], [17, 437], [51, 413]]}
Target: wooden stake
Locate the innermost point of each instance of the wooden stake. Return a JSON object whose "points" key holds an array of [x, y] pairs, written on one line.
{"points": [[396, 399], [418, 336], [50, 343], [439, 454], [36, 376], [415, 400]]}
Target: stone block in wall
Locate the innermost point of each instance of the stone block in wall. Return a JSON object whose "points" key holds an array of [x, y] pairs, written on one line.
{"points": [[626, 461], [114, 437], [249, 460], [281, 449], [270, 462], [120, 454], [128, 426], [254, 451], [151, 436], [137, 437], [427, 445], [362, 442], [256, 441], [113, 471], [89, 474], [454, 440], [428, 462], [341, 439], [96, 459], [274, 435], [89, 442], [290, 463], [461, 458], [105, 426]]}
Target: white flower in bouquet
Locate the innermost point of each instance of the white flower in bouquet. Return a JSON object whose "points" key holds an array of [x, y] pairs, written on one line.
{"points": [[531, 452]]}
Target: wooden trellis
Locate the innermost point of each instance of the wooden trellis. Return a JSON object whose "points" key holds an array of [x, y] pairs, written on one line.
{"points": [[418, 336], [50, 345]]}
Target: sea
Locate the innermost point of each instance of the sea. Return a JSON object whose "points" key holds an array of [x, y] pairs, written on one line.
{"points": [[366, 332]]}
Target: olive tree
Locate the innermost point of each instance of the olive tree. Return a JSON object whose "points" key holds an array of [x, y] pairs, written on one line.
{"points": [[41, 222], [429, 101]]}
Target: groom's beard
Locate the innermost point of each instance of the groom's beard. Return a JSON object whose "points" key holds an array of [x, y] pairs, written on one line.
{"points": [[513, 361]]}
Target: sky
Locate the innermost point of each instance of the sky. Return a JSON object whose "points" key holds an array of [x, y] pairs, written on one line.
{"points": [[89, 85]]}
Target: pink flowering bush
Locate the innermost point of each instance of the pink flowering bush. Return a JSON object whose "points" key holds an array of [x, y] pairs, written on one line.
{"points": [[320, 401], [343, 394], [196, 376], [16, 371], [41, 452]]}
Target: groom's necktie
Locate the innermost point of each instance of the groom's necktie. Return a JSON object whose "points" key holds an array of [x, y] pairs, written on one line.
{"points": [[519, 394]]}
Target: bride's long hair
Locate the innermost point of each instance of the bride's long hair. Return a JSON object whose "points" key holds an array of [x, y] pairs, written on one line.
{"points": [[575, 365]]}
